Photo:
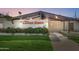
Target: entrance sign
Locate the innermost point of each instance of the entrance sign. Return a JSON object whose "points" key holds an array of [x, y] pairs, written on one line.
{"points": [[30, 23]]}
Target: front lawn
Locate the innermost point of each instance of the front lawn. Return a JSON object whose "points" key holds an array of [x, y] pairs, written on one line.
{"points": [[75, 38], [72, 35], [25, 43]]}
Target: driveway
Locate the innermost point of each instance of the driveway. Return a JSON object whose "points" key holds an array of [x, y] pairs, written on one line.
{"points": [[62, 43]]}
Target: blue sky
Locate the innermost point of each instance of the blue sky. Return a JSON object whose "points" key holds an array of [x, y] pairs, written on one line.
{"points": [[63, 11], [70, 12]]}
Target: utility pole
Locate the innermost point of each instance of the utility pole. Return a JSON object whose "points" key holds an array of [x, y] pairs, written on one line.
{"points": [[75, 14], [75, 17]]}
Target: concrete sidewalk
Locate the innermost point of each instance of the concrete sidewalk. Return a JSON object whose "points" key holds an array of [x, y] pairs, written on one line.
{"points": [[62, 43]]}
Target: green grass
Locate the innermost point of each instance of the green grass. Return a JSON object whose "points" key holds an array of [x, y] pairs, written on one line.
{"points": [[25, 43], [72, 36]]}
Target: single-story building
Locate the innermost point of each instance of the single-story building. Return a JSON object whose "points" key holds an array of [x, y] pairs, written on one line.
{"points": [[41, 19]]}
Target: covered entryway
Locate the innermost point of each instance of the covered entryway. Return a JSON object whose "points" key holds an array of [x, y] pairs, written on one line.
{"points": [[71, 26], [55, 26]]}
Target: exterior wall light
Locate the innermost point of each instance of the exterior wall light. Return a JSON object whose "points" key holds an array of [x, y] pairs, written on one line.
{"points": [[56, 17]]}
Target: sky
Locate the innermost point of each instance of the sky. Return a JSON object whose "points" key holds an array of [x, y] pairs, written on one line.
{"points": [[70, 12]]}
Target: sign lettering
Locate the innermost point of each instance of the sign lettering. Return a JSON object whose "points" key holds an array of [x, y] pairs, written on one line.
{"points": [[32, 22]]}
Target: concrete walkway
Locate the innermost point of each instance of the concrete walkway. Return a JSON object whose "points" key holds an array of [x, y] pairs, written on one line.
{"points": [[62, 43]]}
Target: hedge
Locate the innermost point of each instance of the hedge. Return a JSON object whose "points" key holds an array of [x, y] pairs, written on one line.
{"points": [[27, 30]]}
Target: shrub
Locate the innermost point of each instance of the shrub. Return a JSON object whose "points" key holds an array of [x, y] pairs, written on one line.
{"points": [[27, 30], [18, 30], [45, 30], [36, 30], [9, 30]]}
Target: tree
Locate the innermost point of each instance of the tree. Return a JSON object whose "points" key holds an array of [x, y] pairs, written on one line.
{"points": [[9, 18]]}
